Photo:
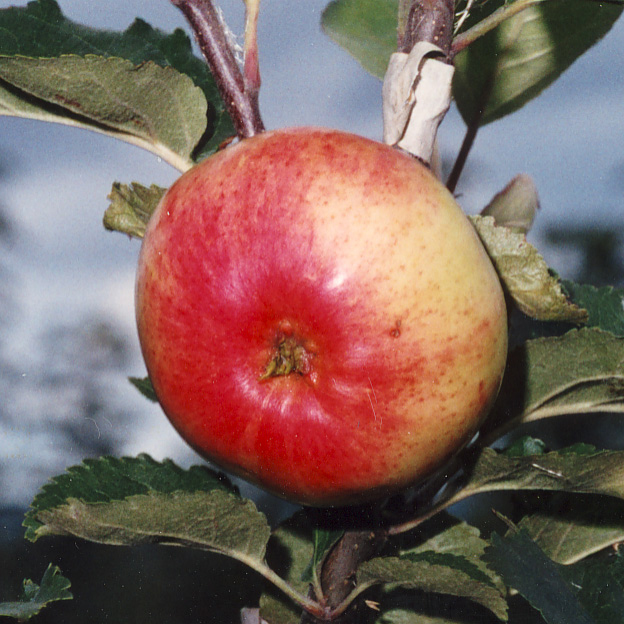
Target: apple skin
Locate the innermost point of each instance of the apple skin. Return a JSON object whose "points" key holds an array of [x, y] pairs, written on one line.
{"points": [[358, 259]]}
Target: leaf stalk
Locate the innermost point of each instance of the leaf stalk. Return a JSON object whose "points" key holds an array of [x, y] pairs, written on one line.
{"points": [[462, 41]]}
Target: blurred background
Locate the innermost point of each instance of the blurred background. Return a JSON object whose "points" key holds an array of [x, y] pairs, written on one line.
{"points": [[67, 337]]}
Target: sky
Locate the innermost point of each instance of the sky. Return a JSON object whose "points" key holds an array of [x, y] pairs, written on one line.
{"points": [[55, 180]]}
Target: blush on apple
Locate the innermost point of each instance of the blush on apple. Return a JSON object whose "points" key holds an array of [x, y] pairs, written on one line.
{"points": [[318, 316]]}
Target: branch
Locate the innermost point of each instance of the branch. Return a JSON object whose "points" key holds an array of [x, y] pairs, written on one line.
{"points": [[416, 91], [362, 540], [241, 103], [426, 20]]}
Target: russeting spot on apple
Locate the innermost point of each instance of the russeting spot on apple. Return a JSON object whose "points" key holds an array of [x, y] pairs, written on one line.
{"points": [[318, 316]]}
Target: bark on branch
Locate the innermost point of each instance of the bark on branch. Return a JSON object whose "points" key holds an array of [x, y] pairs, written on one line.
{"points": [[240, 102], [428, 20]]}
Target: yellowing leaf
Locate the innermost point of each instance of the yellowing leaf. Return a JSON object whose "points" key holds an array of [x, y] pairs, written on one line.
{"points": [[525, 274], [131, 207], [515, 206]]}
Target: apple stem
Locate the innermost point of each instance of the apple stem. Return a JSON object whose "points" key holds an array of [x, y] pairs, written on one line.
{"points": [[240, 96]]}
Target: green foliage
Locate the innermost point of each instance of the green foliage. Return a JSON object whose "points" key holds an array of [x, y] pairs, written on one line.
{"points": [[571, 528], [291, 553], [323, 541], [600, 588], [144, 386], [367, 29], [604, 305], [35, 597], [146, 87], [152, 106], [581, 372], [526, 445], [436, 573], [509, 66], [111, 479], [56, 70], [602, 472], [160, 503], [503, 69], [527, 569]]}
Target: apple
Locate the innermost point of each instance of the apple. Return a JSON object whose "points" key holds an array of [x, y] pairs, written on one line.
{"points": [[318, 316]]}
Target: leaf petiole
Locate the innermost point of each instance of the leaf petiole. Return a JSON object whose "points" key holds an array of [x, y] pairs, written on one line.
{"points": [[460, 42], [309, 605]]}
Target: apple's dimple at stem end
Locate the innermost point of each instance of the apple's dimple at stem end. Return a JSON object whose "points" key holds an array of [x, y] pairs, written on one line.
{"points": [[318, 316]]}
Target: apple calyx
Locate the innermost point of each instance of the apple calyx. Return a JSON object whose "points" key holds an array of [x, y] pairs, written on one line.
{"points": [[290, 356]]}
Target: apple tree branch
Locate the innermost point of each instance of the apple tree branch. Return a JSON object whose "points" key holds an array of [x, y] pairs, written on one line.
{"points": [[239, 97]]}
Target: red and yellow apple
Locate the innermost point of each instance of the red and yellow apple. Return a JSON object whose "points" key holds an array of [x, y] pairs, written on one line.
{"points": [[318, 316]]}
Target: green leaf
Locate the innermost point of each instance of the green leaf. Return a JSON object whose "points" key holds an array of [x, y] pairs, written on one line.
{"points": [[525, 274], [438, 573], [419, 609], [144, 386], [444, 534], [572, 528], [605, 306], [527, 569], [130, 501], [156, 108], [526, 445], [602, 472], [580, 372], [323, 540], [447, 545], [40, 30], [215, 521], [598, 589], [110, 479], [500, 71], [367, 29], [129, 212], [53, 587], [290, 552], [503, 70], [452, 560]]}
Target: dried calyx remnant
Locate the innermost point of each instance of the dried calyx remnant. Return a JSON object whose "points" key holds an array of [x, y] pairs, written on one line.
{"points": [[290, 356]]}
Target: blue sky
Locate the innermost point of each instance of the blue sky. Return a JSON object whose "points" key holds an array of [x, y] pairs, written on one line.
{"points": [[570, 140]]}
